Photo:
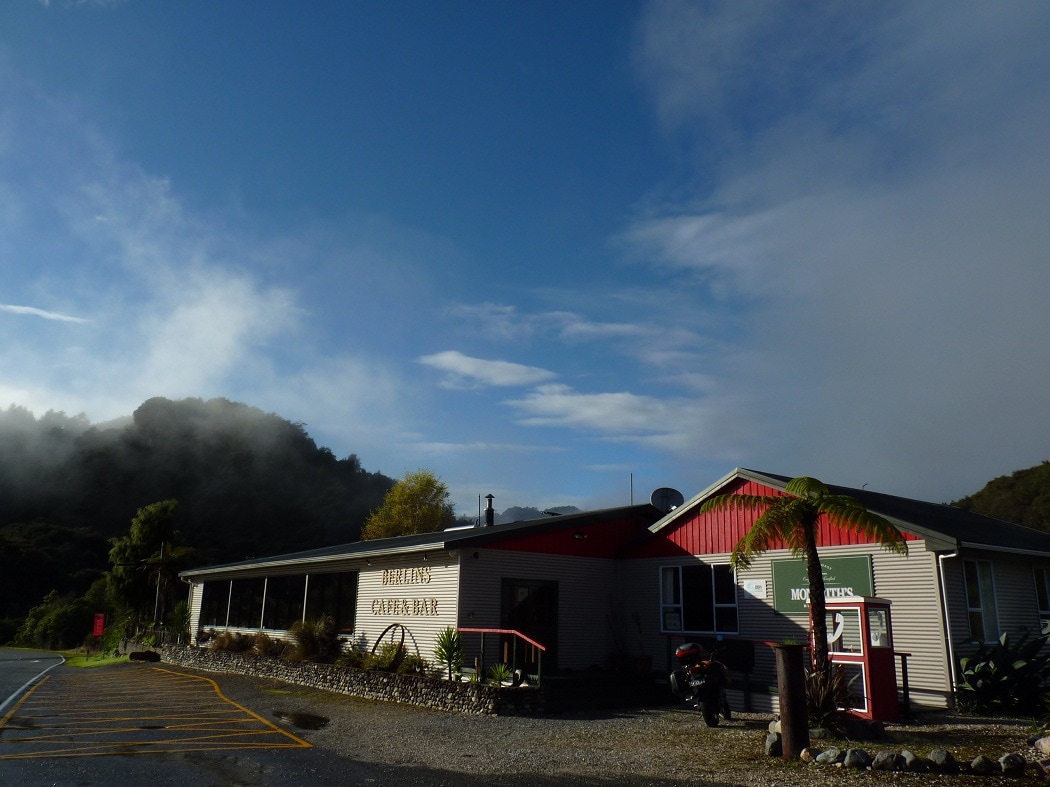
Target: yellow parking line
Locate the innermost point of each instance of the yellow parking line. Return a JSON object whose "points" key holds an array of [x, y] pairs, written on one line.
{"points": [[126, 712]]}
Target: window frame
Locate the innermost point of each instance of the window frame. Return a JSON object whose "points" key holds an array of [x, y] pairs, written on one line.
{"points": [[1041, 575], [986, 609], [675, 612]]}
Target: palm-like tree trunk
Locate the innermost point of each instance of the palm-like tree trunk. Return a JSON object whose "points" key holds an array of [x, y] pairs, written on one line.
{"points": [[818, 623]]}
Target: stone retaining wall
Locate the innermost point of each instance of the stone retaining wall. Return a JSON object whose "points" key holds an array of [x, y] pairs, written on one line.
{"points": [[374, 685]]}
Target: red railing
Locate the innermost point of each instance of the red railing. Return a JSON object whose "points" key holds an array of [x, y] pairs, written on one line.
{"points": [[514, 658]]}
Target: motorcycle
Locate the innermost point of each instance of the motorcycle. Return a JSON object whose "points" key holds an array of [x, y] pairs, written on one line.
{"points": [[702, 679]]}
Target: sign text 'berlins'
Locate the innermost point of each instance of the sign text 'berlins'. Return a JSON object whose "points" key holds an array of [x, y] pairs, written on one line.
{"points": [[406, 576]]}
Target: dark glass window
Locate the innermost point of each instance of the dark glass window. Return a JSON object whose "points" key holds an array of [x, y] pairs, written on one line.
{"points": [[215, 602], [698, 598], [246, 599], [284, 601], [334, 595]]}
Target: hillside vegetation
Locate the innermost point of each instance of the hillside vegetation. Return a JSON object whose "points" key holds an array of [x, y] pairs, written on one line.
{"points": [[248, 483], [1022, 497]]}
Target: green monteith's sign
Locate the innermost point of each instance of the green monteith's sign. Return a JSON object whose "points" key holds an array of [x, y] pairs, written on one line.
{"points": [[843, 576]]}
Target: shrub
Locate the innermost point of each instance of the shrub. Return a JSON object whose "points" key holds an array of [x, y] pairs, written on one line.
{"points": [[315, 640], [351, 657], [449, 651], [232, 642], [1004, 677], [829, 695], [500, 672], [386, 658], [270, 647]]}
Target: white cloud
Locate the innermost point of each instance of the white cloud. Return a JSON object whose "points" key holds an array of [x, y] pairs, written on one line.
{"points": [[683, 426], [462, 370], [33, 311]]}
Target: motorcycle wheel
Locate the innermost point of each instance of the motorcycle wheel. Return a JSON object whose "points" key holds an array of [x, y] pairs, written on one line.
{"points": [[710, 713]]}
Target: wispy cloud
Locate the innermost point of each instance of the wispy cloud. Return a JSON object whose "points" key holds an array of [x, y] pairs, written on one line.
{"points": [[879, 220], [679, 425], [30, 310], [462, 370]]}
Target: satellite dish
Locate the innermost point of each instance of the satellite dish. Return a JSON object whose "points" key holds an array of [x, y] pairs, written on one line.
{"points": [[666, 499]]}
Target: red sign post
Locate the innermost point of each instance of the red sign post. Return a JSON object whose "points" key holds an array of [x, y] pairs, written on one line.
{"points": [[100, 625]]}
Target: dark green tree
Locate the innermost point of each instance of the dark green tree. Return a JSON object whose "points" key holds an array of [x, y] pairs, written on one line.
{"points": [[792, 519], [144, 564]]}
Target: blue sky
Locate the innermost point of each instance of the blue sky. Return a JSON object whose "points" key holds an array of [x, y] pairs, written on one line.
{"points": [[543, 248]]}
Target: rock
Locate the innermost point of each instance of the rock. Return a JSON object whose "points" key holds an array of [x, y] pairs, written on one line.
{"points": [[941, 761], [831, 756], [984, 766], [913, 762], [1042, 745], [1013, 764], [857, 759], [774, 745], [809, 754], [887, 760]]}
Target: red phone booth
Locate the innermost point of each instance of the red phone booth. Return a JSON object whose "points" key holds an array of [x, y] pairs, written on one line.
{"points": [[860, 638]]}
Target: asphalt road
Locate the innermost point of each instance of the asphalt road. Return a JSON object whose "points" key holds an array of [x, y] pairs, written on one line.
{"points": [[19, 668]]}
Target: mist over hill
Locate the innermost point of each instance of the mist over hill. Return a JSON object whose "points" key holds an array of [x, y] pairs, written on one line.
{"points": [[248, 483]]}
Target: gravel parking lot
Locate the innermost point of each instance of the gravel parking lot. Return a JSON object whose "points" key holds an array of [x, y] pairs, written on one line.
{"points": [[654, 747]]}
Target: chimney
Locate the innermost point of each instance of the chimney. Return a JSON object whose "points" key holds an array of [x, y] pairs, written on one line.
{"points": [[490, 513]]}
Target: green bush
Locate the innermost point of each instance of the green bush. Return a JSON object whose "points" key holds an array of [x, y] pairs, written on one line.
{"points": [[57, 623], [386, 658], [829, 695], [448, 650], [1004, 677], [500, 672]]}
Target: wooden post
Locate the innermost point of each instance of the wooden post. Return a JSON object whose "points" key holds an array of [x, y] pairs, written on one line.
{"points": [[791, 686]]}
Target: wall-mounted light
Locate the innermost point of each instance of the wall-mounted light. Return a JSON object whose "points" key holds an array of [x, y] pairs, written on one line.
{"points": [[580, 536], [425, 558], [368, 561]]}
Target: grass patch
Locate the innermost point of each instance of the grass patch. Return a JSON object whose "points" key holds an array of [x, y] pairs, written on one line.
{"points": [[74, 659]]}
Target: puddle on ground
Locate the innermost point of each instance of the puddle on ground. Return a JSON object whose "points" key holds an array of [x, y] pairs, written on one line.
{"points": [[304, 721]]}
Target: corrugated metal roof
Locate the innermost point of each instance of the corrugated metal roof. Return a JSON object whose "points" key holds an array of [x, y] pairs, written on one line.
{"points": [[457, 538]]}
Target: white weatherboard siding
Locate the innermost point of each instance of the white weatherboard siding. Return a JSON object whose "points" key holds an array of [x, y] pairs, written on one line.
{"points": [[585, 593], [909, 582], [418, 595]]}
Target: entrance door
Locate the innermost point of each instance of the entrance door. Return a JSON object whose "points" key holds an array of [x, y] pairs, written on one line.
{"points": [[531, 607]]}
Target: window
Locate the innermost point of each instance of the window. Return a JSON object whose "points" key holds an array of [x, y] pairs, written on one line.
{"points": [[334, 595], [284, 601], [980, 600], [246, 597], [698, 598], [1042, 595], [215, 603]]}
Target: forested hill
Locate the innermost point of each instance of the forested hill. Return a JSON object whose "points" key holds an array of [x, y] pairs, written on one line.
{"points": [[248, 482], [1022, 497]]}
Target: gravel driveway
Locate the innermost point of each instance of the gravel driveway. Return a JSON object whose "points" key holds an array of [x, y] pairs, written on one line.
{"points": [[646, 747]]}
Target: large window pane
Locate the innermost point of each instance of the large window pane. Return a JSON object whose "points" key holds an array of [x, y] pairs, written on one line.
{"points": [[334, 595], [246, 599], [215, 600], [284, 601], [980, 600]]}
